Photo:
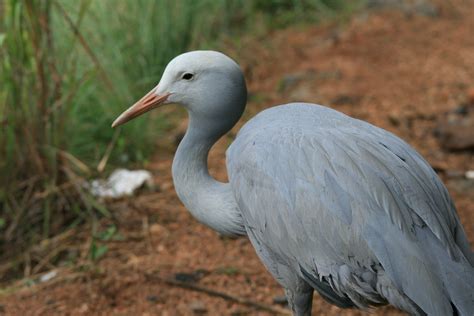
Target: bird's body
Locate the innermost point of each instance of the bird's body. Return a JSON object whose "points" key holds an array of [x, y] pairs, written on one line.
{"points": [[330, 203], [348, 208]]}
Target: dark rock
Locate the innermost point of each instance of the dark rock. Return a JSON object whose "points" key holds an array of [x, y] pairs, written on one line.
{"points": [[462, 109], [191, 277], [185, 277], [152, 298]]}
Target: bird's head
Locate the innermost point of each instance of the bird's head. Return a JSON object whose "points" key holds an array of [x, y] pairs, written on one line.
{"points": [[208, 84]]}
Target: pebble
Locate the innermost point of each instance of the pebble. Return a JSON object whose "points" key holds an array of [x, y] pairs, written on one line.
{"points": [[470, 175], [152, 298], [198, 307]]}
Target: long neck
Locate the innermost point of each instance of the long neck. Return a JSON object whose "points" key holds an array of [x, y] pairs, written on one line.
{"points": [[209, 201]]}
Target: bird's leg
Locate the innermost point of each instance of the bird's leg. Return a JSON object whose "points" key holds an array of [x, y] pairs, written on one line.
{"points": [[300, 299]]}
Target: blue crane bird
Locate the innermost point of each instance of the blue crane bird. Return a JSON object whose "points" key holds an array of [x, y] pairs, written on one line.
{"points": [[330, 203]]}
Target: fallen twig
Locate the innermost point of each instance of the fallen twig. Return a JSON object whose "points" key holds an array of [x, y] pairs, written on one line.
{"points": [[108, 151], [240, 300]]}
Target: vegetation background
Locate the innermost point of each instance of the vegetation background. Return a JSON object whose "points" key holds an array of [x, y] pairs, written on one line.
{"points": [[69, 67]]}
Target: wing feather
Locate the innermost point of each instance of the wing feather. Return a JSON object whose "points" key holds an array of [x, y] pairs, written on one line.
{"points": [[321, 188]]}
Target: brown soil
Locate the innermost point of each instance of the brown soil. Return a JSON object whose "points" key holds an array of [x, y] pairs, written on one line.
{"points": [[401, 72]]}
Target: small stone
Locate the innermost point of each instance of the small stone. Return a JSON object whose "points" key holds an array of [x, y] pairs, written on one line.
{"points": [[462, 109], [48, 276], [152, 298], [186, 277], [157, 229], [192, 277], [198, 307], [84, 308], [470, 175]]}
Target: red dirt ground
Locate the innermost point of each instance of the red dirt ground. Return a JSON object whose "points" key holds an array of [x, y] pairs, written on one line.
{"points": [[401, 72]]}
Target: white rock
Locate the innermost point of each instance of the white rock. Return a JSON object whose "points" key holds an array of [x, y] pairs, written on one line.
{"points": [[470, 174], [122, 182], [48, 276]]}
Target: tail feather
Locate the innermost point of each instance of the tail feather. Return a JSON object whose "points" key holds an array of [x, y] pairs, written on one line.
{"points": [[457, 277], [425, 272], [326, 291]]}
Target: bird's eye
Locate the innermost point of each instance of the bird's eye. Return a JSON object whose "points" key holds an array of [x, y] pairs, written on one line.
{"points": [[187, 76]]}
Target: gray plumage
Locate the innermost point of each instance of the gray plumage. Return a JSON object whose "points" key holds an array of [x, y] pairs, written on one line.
{"points": [[330, 203], [339, 201]]}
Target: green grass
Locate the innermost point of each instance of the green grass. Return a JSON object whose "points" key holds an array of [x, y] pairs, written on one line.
{"points": [[69, 67]]}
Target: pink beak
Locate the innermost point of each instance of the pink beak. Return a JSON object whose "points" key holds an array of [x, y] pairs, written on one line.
{"points": [[149, 102]]}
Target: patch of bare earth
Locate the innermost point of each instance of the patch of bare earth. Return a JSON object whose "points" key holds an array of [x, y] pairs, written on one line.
{"points": [[401, 72]]}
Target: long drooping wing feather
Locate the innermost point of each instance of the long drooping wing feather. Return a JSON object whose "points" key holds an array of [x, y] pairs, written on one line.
{"points": [[339, 197]]}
